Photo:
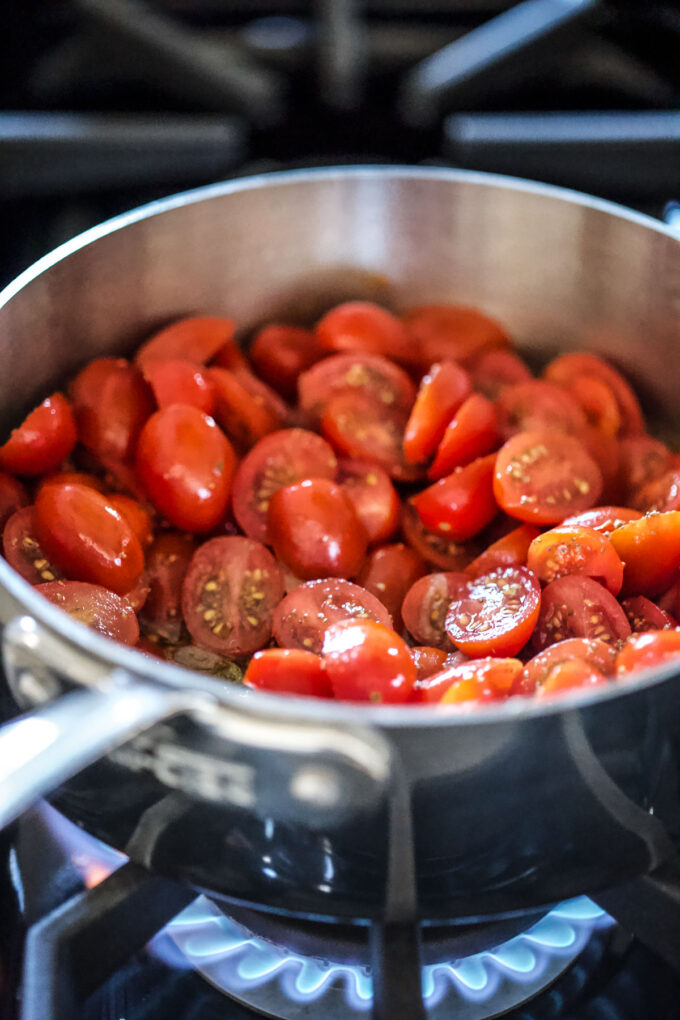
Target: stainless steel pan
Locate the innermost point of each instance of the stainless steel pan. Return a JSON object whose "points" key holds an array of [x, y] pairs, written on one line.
{"points": [[316, 807]]}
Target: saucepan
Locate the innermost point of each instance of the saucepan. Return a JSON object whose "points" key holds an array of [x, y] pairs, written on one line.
{"points": [[322, 808]]}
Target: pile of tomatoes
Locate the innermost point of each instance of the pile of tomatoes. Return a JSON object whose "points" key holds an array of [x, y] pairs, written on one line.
{"points": [[383, 508]]}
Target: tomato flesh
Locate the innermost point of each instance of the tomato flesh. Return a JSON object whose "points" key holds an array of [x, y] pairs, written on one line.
{"points": [[597, 654], [304, 615], [197, 339], [243, 419], [388, 574], [425, 607], [366, 661], [479, 680], [281, 353], [13, 497], [646, 615], [359, 429], [576, 550], [568, 369], [388, 385], [43, 440], [99, 609], [451, 331], [472, 432], [427, 661], [569, 676], [660, 494], [573, 607], [442, 390], [437, 550], [288, 671], [373, 496], [650, 551], [461, 504], [111, 402], [536, 404], [604, 519], [23, 551], [493, 370], [509, 551], [648, 650], [363, 327], [495, 613]]}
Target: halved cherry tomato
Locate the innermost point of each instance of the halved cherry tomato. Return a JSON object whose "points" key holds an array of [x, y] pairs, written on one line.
{"points": [[669, 602], [229, 595], [568, 676], [87, 537], [13, 497], [661, 494], [196, 339], [70, 478], [425, 607], [569, 368], [186, 463], [536, 404], [43, 440], [366, 661], [288, 671], [495, 613], [359, 428], [363, 327], [481, 680], [388, 574], [509, 551], [598, 403], [388, 385], [435, 549], [461, 504], [427, 661], [373, 496], [177, 381], [650, 550], [442, 390], [138, 595], [304, 616], [281, 353], [605, 451], [544, 475], [264, 396], [281, 458], [604, 519], [646, 615], [24, 552], [576, 550], [244, 420], [472, 432], [315, 531], [642, 459], [596, 654], [111, 402], [451, 331], [151, 647], [649, 650], [495, 369], [579, 607], [136, 516], [231, 357], [96, 607], [166, 565]]}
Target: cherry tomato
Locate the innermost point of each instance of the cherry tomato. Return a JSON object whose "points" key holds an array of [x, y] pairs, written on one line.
{"points": [[177, 381], [364, 328], [495, 369], [24, 552], [669, 602], [605, 451], [243, 419], [569, 676], [649, 650], [366, 661], [596, 654], [281, 353], [388, 574], [509, 551], [495, 613], [645, 615], [111, 402], [425, 607], [642, 460], [302, 618], [576, 550], [598, 403], [87, 537], [604, 519], [282, 458], [359, 428], [442, 390], [13, 497], [579, 607], [150, 647], [472, 432], [96, 607], [388, 385], [136, 516], [452, 331], [650, 550], [229, 595], [288, 671], [542, 476], [43, 440], [461, 504], [569, 368], [532, 405], [435, 549], [373, 496], [197, 339], [231, 357], [661, 494], [70, 478], [166, 566], [481, 680], [264, 397], [186, 464], [138, 595], [427, 661], [315, 531]]}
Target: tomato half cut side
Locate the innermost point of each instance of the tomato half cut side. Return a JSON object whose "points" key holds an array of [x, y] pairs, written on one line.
{"points": [[23, 551], [281, 353], [648, 650], [111, 401], [197, 339], [472, 432], [509, 551], [452, 331], [442, 390], [569, 368], [388, 385], [425, 607], [543, 476], [598, 403], [166, 565], [177, 381], [570, 676], [437, 550], [359, 429], [660, 494], [303, 617], [650, 550], [427, 661], [479, 680], [281, 458], [366, 661], [604, 519], [598, 654], [13, 497], [365, 328], [576, 550], [495, 613], [243, 420], [642, 459], [495, 369], [578, 607], [388, 574], [536, 404], [288, 671], [460, 505], [99, 609], [373, 496], [643, 614], [229, 595], [43, 440]]}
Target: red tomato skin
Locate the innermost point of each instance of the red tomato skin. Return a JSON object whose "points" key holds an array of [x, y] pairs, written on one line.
{"points": [[570, 367], [579, 607], [304, 615], [425, 607], [495, 369], [597, 654], [598, 403], [461, 504], [111, 402], [532, 405], [167, 563], [427, 661], [243, 419], [186, 463], [643, 459], [437, 550], [373, 496], [87, 537], [644, 615], [450, 331], [197, 339], [471, 433], [388, 385], [511, 599], [365, 328], [136, 516], [288, 671], [388, 573], [509, 551], [70, 478], [570, 676], [282, 353], [647, 651], [315, 531], [177, 381], [660, 494], [576, 550], [23, 551], [479, 680], [13, 497], [95, 606], [604, 519], [368, 662], [442, 390], [650, 551], [43, 440]]}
